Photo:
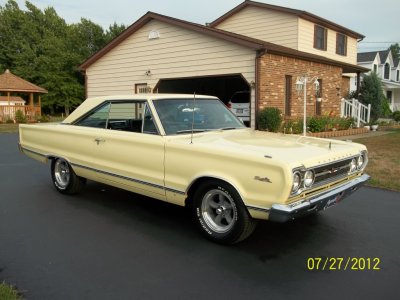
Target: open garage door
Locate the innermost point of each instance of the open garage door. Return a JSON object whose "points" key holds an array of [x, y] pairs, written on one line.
{"points": [[224, 87]]}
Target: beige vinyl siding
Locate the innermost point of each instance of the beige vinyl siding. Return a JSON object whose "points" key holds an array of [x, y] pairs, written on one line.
{"points": [[177, 53], [263, 24], [306, 43]]}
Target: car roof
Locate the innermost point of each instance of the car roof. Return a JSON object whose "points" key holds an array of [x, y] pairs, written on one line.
{"points": [[93, 102]]}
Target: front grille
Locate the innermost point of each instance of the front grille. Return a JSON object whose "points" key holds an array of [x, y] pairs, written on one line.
{"points": [[331, 172]]}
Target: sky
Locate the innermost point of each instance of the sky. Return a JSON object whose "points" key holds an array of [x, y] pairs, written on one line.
{"points": [[377, 20]]}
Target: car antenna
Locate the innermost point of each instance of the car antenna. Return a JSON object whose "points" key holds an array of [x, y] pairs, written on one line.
{"points": [[194, 103]]}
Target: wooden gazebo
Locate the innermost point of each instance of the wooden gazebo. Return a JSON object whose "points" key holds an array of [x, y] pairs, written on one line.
{"points": [[9, 84]]}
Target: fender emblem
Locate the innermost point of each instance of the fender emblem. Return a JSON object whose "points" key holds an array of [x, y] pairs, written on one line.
{"points": [[262, 179]]}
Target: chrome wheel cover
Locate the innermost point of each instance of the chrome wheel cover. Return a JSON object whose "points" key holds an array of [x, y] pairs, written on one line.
{"points": [[218, 211], [61, 173]]}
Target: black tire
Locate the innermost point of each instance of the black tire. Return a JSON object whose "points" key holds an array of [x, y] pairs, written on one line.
{"points": [[220, 214], [64, 178]]}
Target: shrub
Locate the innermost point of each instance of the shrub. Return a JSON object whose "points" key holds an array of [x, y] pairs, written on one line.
{"points": [[293, 126], [396, 116], [9, 121], [386, 111], [20, 117], [43, 119], [316, 124], [270, 119], [372, 93]]}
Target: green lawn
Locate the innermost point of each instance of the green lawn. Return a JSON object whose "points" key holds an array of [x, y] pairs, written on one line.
{"points": [[8, 128], [8, 293], [384, 160]]}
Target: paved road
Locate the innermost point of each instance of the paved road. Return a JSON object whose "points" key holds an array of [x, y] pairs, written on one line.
{"points": [[110, 244]]}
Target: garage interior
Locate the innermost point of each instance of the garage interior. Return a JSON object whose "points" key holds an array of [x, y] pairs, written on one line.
{"points": [[222, 87]]}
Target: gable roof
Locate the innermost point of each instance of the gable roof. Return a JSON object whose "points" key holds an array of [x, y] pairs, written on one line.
{"points": [[235, 38], [252, 43], [299, 13], [370, 56], [396, 62], [366, 56], [383, 55], [12, 83]]}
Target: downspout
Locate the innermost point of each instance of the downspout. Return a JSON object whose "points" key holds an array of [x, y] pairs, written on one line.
{"points": [[358, 73], [358, 84], [86, 80], [259, 54]]}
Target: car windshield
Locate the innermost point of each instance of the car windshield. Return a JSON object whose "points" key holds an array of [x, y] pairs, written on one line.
{"points": [[177, 115]]}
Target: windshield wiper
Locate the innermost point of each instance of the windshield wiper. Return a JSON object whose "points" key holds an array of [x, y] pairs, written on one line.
{"points": [[190, 130], [228, 128]]}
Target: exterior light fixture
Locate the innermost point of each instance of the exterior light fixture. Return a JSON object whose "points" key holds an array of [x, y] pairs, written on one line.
{"points": [[301, 85]]}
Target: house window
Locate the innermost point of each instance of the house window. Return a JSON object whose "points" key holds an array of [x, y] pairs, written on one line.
{"points": [[387, 71], [142, 88], [376, 68], [288, 94], [320, 36], [398, 75], [341, 44]]}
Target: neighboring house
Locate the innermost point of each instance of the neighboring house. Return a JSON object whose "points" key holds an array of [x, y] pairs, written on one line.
{"points": [[163, 54], [388, 69], [12, 100]]}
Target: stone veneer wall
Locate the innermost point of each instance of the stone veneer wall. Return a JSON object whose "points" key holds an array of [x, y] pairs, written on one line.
{"points": [[272, 71]]}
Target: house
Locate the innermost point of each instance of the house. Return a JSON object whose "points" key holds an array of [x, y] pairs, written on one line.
{"points": [[163, 54], [388, 69]]}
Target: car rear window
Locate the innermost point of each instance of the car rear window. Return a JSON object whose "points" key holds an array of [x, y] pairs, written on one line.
{"points": [[240, 98]]}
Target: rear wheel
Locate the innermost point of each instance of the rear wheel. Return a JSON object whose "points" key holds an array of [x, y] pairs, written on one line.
{"points": [[220, 213], [64, 178]]}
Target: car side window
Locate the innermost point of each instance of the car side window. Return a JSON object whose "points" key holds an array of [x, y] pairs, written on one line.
{"points": [[123, 116], [148, 122], [97, 119]]}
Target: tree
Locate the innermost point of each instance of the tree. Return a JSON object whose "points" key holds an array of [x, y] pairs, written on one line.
{"points": [[42, 48], [371, 92], [395, 48]]}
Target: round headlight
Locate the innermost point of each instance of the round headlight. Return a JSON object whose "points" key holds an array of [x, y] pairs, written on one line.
{"points": [[308, 178], [296, 182], [360, 162], [353, 165]]}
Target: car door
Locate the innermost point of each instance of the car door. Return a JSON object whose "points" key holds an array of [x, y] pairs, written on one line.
{"points": [[127, 153]]}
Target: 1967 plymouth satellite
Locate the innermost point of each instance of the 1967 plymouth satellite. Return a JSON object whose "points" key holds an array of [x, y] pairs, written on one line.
{"points": [[192, 151]]}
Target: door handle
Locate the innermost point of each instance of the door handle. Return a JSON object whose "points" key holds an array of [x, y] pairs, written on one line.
{"points": [[99, 140]]}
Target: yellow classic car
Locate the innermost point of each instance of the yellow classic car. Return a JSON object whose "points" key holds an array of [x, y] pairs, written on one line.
{"points": [[191, 150]]}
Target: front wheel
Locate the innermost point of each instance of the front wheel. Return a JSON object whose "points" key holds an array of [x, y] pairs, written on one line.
{"points": [[64, 178], [220, 213]]}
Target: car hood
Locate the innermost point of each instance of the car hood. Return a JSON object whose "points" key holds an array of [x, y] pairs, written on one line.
{"points": [[291, 149]]}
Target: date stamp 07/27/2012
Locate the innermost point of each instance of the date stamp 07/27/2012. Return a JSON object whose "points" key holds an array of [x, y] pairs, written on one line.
{"points": [[343, 263]]}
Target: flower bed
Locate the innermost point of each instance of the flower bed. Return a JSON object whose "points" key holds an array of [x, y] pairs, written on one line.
{"points": [[335, 133]]}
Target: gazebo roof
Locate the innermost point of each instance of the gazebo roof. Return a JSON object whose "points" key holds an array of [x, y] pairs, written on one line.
{"points": [[12, 83]]}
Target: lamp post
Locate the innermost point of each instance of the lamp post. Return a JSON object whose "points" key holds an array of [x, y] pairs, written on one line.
{"points": [[301, 85]]}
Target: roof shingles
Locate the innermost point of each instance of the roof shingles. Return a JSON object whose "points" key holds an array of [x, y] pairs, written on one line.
{"points": [[12, 83]]}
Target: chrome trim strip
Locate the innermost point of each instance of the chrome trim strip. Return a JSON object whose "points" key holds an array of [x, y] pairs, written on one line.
{"points": [[258, 208], [114, 175], [128, 178]]}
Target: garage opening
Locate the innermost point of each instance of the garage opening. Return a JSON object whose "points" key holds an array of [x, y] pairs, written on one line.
{"points": [[224, 87]]}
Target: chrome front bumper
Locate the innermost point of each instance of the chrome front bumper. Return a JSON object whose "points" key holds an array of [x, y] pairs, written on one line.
{"points": [[283, 213]]}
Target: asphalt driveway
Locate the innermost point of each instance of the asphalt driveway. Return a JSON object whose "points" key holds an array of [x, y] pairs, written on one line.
{"points": [[110, 244]]}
